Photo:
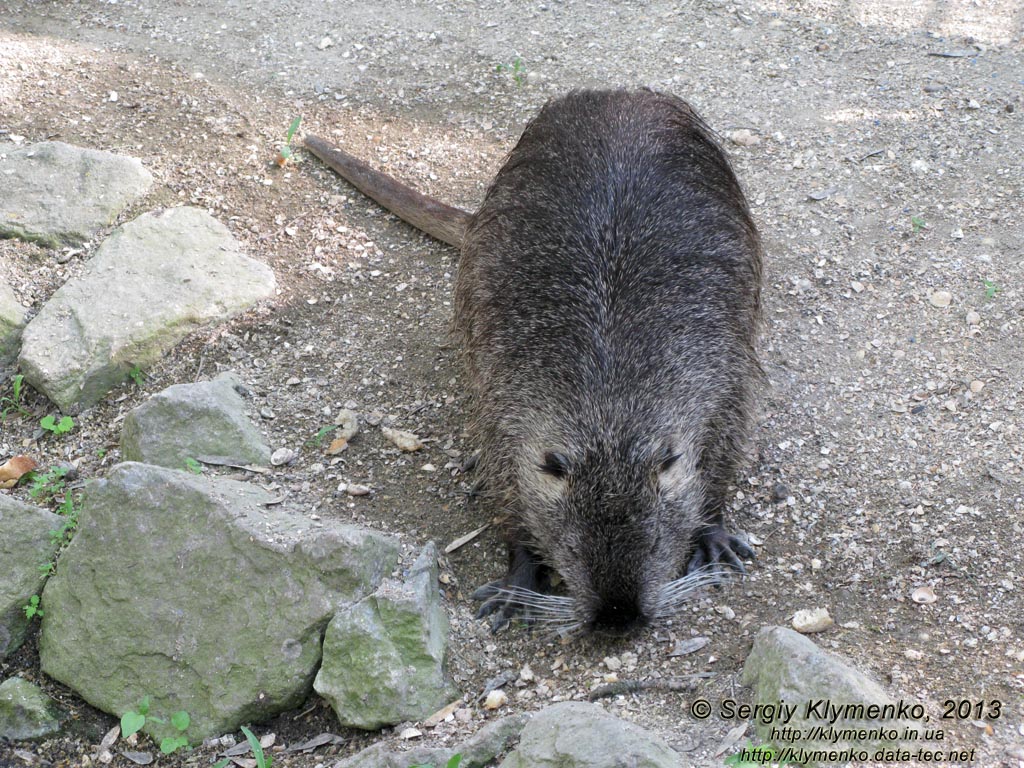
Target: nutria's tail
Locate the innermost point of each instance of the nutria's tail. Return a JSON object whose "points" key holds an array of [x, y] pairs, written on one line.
{"points": [[438, 220]]}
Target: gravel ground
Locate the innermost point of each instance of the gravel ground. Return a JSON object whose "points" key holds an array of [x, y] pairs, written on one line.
{"points": [[879, 143]]}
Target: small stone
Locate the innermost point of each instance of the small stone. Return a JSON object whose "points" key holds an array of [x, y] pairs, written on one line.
{"points": [[613, 663], [940, 299], [354, 489], [812, 620], [293, 381], [348, 424], [857, 286], [780, 493], [325, 43], [406, 441], [977, 386], [282, 456], [744, 137], [957, 234], [913, 655], [691, 645], [374, 418], [428, 468], [496, 699], [267, 414], [924, 595], [973, 318], [410, 733], [526, 674], [815, 564]]}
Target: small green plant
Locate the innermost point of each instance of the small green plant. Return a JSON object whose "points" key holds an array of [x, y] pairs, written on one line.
{"points": [[33, 609], [50, 424], [453, 762], [262, 760], [321, 433], [193, 466], [134, 720], [750, 756], [13, 401], [284, 152], [516, 70], [47, 485], [136, 375], [917, 222], [991, 289]]}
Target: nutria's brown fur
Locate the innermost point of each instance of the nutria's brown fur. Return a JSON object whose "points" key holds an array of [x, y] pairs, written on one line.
{"points": [[607, 299]]}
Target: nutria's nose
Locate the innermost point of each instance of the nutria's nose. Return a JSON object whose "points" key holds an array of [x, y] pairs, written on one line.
{"points": [[619, 618]]}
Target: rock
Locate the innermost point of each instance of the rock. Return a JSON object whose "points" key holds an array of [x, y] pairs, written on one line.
{"points": [[496, 699], [25, 711], [12, 321], [786, 666], [812, 620], [940, 299], [25, 544], [54, 193], [150, 284], [384, 657], [198, 593], [189, 420], [348, 424], [574, 734], [478, 750], [406, 441]]}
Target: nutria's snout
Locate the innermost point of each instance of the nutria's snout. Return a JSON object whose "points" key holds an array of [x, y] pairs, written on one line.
{"points": [[619, 618]]}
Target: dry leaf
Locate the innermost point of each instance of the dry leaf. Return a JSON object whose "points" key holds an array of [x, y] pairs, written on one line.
{"points": [[11, 472], [441, 714], [337, 446], [463, 540]]}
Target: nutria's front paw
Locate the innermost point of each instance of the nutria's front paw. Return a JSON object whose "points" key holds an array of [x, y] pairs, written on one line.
{"points": [[508, 597], [717, 547]]}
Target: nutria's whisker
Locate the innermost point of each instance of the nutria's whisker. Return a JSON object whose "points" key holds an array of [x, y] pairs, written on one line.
{"points": [[674, 595]]}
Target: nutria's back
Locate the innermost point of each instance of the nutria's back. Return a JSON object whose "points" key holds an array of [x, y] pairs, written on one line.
{"points": [[607, 299]]}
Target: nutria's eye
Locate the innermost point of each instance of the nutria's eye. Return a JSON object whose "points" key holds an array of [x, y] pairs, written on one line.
{"points": [[555, 464], [667, 462]]}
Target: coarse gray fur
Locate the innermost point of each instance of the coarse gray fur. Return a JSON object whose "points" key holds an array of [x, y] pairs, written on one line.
{"points": [[607, 300]]}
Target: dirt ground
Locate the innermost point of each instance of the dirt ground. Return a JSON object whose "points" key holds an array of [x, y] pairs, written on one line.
{"points": [[880, 146]]}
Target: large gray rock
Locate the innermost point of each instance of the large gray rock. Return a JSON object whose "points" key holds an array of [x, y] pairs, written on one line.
{"points": [[477, 751], [785, 666], [12, 321], [25, 544], [25, 711], [189, 420], [576, 734], [150, 284], [384, 657], [55, 193], [200, 593]]}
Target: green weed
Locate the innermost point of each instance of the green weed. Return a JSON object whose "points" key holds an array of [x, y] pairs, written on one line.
{"points": [[50, 424], [263, 760], [318, 438], [453, 762], [991, 289], [284, 152], [193, 466], [33, 609], [917, 222], [135, 374], [12, 402], [134, 720], [47, 485], [516, 70]]}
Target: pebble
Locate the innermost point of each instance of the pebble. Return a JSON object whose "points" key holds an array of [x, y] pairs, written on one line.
{"points": [[294, 381], [354, 489], [281, 456], [688, 646], [410, 733], [614, 663], [924, 595], [940, 299], [496, 699], [812, 620], [374, 418], [266, 413], [977, 386], [348, 424], [913, 655], [325, 43], [406, 441], [744, 137], [428, 468], [526, 674], [857, 286], [973, 318]]}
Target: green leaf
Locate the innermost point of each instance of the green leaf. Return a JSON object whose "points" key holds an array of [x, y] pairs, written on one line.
{"points": [[293, 128], [193, 466], [131, 722], [48, 423], [181, 720], [173, 744], [257, 750], [455, 760], [144, 705], [65, 425]]}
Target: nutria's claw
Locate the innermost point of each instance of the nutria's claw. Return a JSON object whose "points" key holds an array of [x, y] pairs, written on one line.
{"points": [[716, 547], [499, 603]]}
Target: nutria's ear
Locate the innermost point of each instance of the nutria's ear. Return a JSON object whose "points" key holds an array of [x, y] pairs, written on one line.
{"points": [[555, 464]]}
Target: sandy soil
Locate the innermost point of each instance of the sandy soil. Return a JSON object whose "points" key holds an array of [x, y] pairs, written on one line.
{"points": [[880, 146]]}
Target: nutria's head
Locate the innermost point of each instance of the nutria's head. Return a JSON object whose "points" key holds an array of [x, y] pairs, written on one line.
{"points": [[616, 519]]}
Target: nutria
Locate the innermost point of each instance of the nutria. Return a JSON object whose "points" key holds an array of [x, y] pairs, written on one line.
{"points": [[607, 300]]}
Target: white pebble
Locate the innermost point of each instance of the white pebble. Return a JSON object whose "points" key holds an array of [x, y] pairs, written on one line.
{"points": [[812, 620]]}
